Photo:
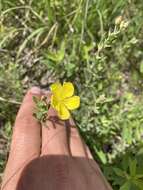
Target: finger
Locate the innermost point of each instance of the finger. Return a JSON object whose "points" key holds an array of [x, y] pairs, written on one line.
{"points": [[54, 133], [26, 136], [77, 145], [54, 136]]}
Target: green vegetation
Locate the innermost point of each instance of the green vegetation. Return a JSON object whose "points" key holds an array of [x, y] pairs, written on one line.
{"points": [[95, 44]]}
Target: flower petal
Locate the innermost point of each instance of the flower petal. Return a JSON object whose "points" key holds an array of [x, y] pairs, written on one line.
{"points": [[63, 112], [68, 90], [54, 102], [72, 103], [55, 86], [56, 89]]}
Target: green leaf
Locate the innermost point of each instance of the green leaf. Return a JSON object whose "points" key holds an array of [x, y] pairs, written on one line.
{"points": [[137, 132], [126, 186], [86, 50], [141, 67], [41, 109], [125, 162], [35, 99], [119, 172], [138, 176], [57, 56], [139, 183], [101, 155], [127, 134], [49, 11], [132, 167]]}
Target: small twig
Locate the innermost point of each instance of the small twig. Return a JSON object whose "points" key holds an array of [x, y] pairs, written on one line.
{"points": [[10, 101], [2, 134], [3, 50]]}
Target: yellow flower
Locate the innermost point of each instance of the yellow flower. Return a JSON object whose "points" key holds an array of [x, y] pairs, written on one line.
{"points": [[62, 99]]}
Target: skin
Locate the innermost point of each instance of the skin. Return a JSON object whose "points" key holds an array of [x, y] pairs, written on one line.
{"points": [[49, 158]]}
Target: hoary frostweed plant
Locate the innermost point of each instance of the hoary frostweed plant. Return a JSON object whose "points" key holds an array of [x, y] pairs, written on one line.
{"points": [[62, 100]]}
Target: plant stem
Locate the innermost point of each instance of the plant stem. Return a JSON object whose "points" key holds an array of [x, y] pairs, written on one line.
{"points": [[10, 101]]}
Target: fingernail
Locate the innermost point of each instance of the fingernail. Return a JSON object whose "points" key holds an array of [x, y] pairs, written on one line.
{"points": [[46, 92], [35, 90]]}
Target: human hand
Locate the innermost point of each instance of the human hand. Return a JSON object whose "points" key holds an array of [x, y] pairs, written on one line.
{"points": [[49, 158]]}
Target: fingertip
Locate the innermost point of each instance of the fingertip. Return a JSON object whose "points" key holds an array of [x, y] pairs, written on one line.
{"points": [[25, 113], [28, 98], [46, 92], [35, 90]]}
